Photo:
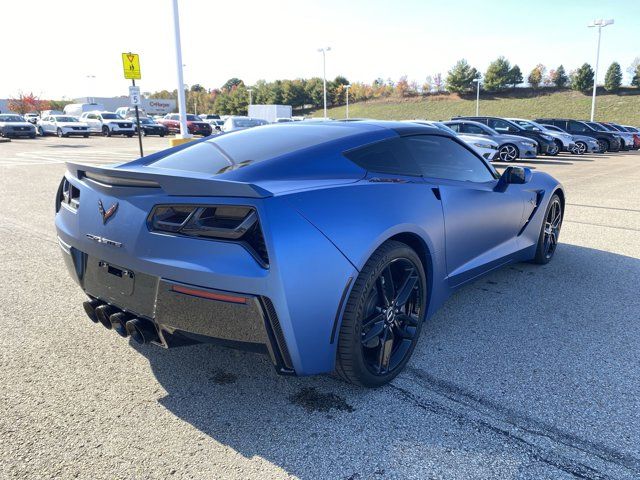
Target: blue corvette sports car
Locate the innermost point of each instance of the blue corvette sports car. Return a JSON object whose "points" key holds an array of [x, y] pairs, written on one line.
{"points": [[322, 244]]}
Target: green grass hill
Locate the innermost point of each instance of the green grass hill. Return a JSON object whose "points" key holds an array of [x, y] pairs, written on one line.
{"points": [[623, 107]]}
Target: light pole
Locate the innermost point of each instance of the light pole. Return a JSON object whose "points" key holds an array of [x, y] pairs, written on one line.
{"points": [[597, 23], [324, 76], [90, 80], [182, 107], [250, 96], [477, 80], [347, 87]]}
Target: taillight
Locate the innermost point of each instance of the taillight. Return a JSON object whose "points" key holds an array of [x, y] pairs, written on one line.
{"points": [[222, 222], [68, 195]]}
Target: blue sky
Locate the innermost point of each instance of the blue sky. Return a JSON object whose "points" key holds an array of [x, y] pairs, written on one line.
{"points": [[66, 41]]}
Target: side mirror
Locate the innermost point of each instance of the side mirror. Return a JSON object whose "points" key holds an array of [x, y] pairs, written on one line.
{"points": [[513, 175]]}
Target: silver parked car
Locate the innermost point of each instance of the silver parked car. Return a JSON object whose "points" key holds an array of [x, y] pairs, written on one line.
{"points": [[562, 140], [583, 143], [238, 123], [511, 147], [481, 144]]}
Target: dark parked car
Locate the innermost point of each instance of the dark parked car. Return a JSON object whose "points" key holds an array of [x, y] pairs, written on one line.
{"points": [[12, 125], [546, 145], [609, 142], [195, 124], [149, 126]]}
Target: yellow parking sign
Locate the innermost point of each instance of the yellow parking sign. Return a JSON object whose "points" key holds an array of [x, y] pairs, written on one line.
{"points": [[131, 66]]}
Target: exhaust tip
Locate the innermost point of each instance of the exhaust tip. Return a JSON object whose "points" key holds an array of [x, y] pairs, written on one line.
{"points": [[90, 309], [103, 312], [119, 321], [142, 331]]}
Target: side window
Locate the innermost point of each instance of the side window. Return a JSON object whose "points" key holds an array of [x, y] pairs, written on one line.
{"points": [[472, 129], [456, 127], [443, 157], [388, 156], [577, 127], [499, 125]]}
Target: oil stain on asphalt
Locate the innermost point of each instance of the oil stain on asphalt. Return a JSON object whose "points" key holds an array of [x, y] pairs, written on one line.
{"points": [[314, 401]]}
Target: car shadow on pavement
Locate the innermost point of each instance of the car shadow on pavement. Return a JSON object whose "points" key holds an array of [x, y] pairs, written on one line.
{"points": [[531, 367]]}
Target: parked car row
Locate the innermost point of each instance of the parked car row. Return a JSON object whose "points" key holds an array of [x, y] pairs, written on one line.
{"points": [[522, 138]]}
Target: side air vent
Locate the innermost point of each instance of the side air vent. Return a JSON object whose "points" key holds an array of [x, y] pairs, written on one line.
{"points": [[276, 335]]}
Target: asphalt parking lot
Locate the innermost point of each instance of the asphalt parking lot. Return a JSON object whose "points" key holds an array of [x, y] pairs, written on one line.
{"points": [[531, 372]]}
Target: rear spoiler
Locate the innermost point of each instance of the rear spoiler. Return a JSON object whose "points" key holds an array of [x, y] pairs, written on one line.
{"points": [[197, 185]]}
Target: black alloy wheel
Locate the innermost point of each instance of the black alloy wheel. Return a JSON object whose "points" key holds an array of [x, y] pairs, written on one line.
{"points": [[383, 317], [603, 144], [550, 232]]}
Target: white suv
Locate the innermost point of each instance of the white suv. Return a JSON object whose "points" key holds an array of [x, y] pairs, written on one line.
{"points": [[108, 123]]}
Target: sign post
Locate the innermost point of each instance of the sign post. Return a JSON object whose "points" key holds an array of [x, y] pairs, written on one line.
{"points": [[131, 70]]}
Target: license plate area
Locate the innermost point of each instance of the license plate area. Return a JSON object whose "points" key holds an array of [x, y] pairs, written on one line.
{"points": [[116, 279]]}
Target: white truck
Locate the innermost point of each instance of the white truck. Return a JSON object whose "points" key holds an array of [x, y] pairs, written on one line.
{"points": [[270, 113], [77, 109]]}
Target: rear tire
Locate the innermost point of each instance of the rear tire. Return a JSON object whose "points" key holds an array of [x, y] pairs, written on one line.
{"points": [[59, 133], [550, 231], [106, 132], [383, 316]]}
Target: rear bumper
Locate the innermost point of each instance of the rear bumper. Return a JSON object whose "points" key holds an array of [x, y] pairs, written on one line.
{"points": [[301, 288], [183, 313]]}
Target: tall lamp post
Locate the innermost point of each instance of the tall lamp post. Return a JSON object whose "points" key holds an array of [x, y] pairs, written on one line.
{"points": [[182, 104], [600, 24], [324, 76], [347, 87], [477, 80], [250, 90]]}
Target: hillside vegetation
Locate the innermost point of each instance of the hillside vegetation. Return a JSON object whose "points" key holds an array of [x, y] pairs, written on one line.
{"points": [[622, 108]]}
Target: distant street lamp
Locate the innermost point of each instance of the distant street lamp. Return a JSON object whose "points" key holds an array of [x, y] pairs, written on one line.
{"points": [[90, 80], [324, 76], [250, 97], [600, 24], [477, 80], [347, 87]]}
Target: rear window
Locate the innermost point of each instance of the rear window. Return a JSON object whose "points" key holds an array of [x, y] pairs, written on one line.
{"points": [[246, 147]]}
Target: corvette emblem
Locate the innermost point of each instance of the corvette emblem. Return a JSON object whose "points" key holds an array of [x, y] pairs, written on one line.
{"points": [[107, 214]]}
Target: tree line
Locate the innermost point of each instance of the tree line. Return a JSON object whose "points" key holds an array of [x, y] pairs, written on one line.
{"points": [[233, 97], [501, 75]]}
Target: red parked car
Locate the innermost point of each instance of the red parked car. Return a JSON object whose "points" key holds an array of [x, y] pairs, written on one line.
{"points": [[195, 125]]}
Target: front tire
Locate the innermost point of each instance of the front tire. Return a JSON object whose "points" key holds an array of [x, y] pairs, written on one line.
{"points": [[383, 317], [550, 231], [59, 133], [581, 147], [556, 149], [508, 153], [604, 145], [106, 132]]}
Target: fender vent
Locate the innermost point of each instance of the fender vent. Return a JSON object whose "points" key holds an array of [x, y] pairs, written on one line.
{"points": [[275, 331]]}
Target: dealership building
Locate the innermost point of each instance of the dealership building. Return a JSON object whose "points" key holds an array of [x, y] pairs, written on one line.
{"points": [[153, 106]]}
